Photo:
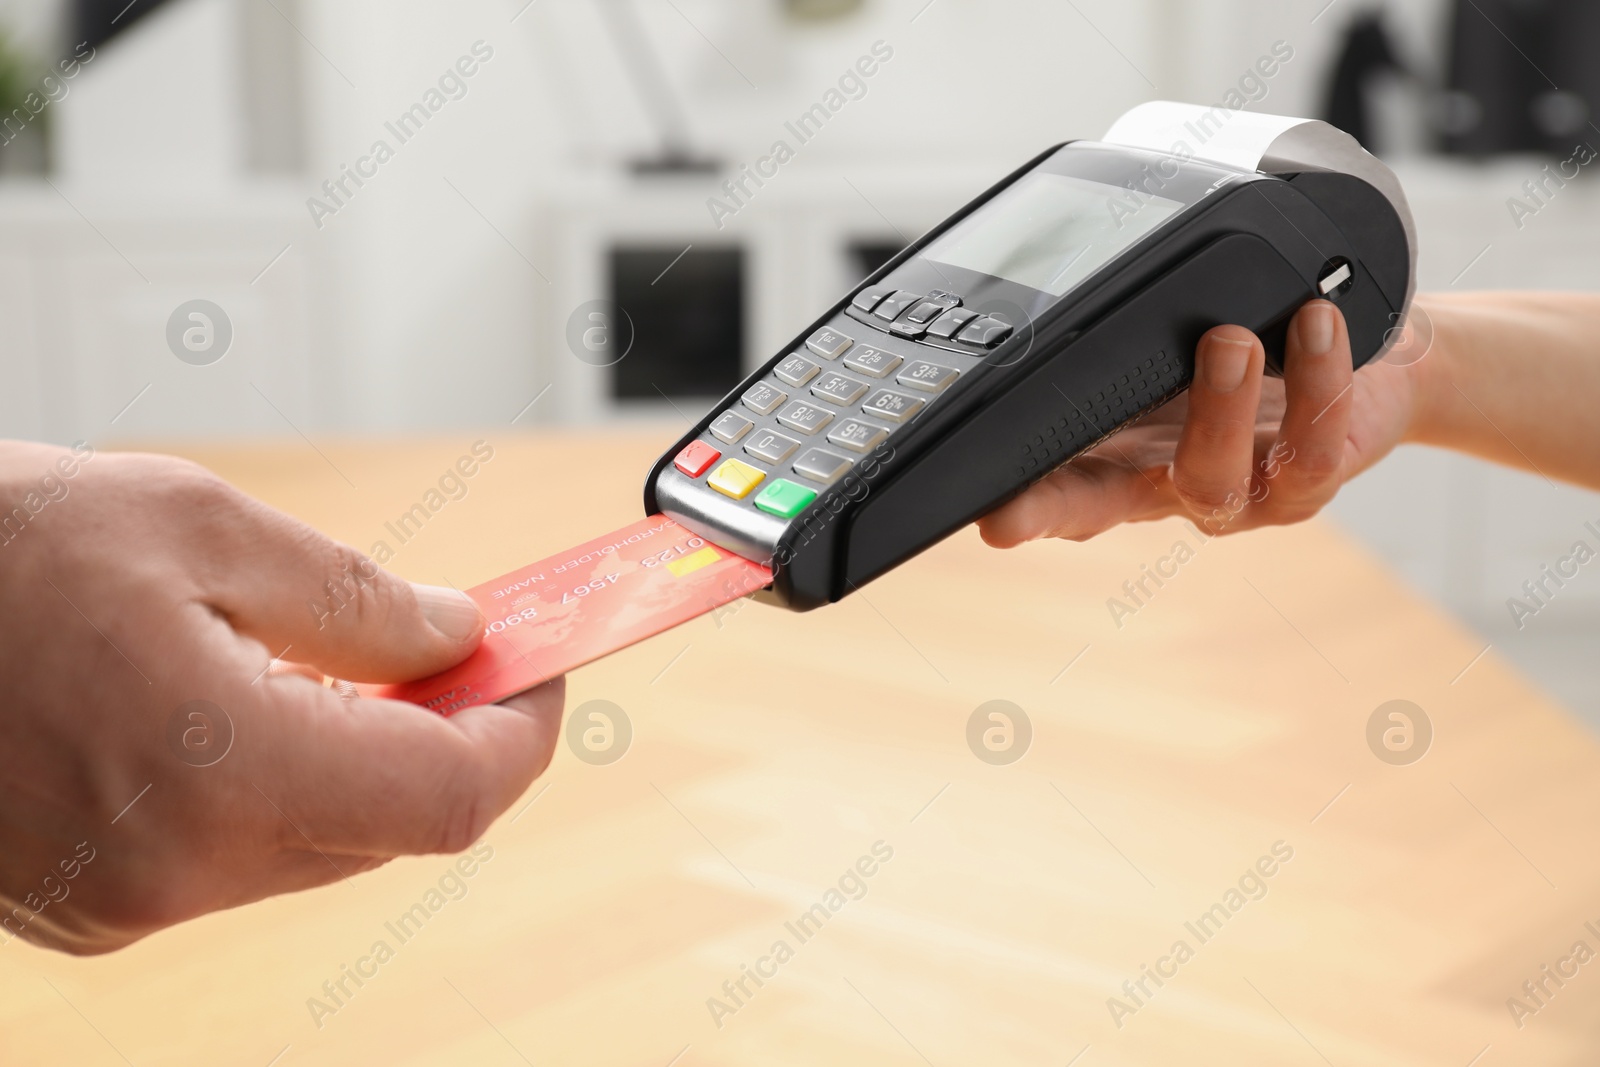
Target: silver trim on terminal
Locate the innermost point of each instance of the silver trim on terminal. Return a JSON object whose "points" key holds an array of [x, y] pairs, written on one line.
{"points": [[719, 519]]}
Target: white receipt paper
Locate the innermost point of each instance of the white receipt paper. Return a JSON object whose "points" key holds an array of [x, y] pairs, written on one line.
{"points": [[1218, 134]]}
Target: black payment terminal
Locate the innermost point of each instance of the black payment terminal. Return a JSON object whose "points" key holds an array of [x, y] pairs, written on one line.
{"points": [[1058, 307]]}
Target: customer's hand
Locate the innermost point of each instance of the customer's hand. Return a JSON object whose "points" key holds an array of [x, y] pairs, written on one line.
{"points": [[1238, 450], [133, 585]]}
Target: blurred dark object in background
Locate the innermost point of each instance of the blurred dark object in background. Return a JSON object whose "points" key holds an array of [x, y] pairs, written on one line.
{"points": [[687, 311], [97, 21], [867, 256], [1368, 54], [1522, 77]]}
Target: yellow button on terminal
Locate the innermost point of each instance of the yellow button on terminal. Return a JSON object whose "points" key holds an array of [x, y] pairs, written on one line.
{"points": [[736, 479]]}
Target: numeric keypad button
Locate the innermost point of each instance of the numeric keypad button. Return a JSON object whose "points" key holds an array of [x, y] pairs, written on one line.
{"points": [[839, 389], [829, 343], [796, 370], [763, 397], [730, 426], [807, 418], [771, 446], [896, 407], [929, 377], [873, 362], [857, 436]]}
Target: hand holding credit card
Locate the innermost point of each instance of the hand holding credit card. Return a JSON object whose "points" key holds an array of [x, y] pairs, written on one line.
{"points": [[559, 613]]}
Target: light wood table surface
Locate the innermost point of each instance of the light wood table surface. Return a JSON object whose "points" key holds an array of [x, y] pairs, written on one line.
{"points": [[772, 750]]}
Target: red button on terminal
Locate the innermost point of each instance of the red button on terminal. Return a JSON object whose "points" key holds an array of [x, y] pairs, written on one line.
{"points": [[696, 458]]}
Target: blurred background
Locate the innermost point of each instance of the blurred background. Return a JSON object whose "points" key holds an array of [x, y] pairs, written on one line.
{"points": [[545, 198]]}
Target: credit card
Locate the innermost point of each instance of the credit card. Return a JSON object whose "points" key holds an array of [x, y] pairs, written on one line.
{"points": [[588, 602]]}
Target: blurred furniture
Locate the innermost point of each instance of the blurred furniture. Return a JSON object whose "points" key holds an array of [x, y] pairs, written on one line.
{"points": [[88, 280], [1522, 76], [1368, 54], [771, 750]]}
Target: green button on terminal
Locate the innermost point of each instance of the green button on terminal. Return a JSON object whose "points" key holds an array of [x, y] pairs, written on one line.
{"points": [[784, 499]]}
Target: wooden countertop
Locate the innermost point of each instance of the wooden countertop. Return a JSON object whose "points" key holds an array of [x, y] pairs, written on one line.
{"points": [[773, 751]]}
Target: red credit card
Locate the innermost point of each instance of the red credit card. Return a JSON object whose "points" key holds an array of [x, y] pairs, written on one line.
{"points": [[588, 602]]}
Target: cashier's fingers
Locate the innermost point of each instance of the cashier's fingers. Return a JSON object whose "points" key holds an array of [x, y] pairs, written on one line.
{"points": [[1086, 497], [385, 778], [290, 588], [1309, 461], [1211, 467]]}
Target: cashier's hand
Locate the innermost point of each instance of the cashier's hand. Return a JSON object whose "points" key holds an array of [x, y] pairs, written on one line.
{"points": [[133, 585], [1238, 450]]}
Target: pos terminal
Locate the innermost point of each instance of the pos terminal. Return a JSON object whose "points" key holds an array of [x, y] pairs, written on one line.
{"points": [[1059, 306]]}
